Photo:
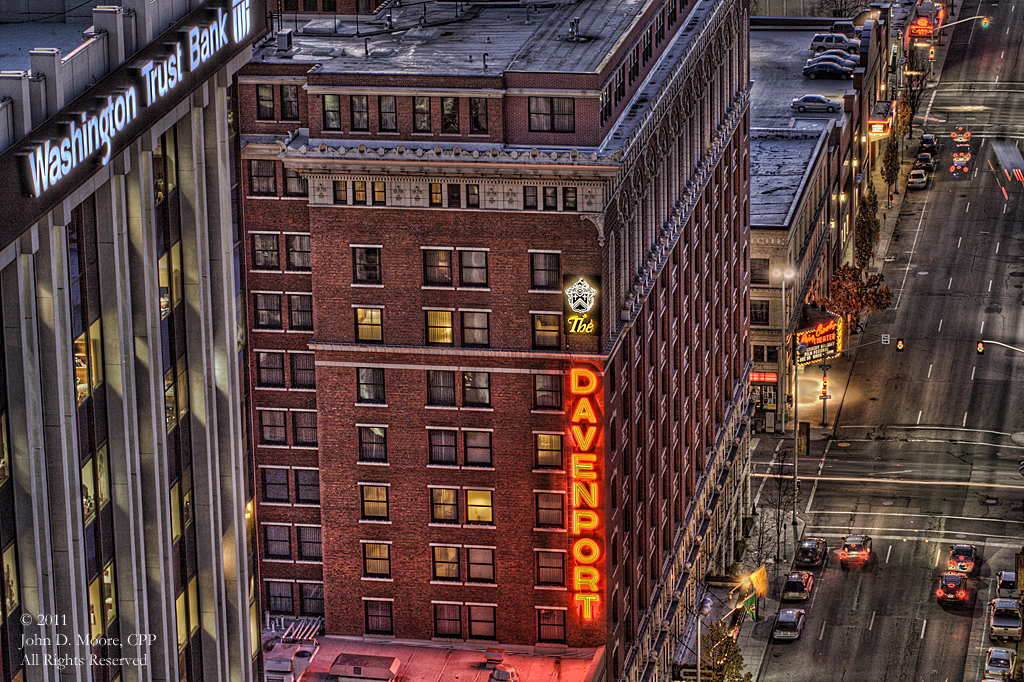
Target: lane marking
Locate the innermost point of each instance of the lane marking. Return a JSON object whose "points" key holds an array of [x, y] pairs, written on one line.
{"points": [[982, 327], [929, 369], [822, 631], [972, 372], [919, 416], [872, 623], [913, 248], [938, 551], [950, 285], [968, 209], [923, 626], [958, 242], [965, 414], [940, 321], [990, 285], [997, 243], [886, 561]]}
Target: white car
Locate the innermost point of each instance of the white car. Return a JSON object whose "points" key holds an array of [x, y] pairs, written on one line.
{"points": [[789, 624], [815, 103], [999, 661], [918, 179]]}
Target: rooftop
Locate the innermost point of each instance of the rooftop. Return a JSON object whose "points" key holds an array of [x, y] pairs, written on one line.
{"points": [[780, 159], [17, 40]]}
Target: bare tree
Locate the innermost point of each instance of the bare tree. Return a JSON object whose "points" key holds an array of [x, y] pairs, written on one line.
{"points": [[838, 9], [915, 82]]}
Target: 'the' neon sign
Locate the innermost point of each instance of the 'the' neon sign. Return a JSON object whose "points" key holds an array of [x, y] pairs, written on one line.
{"points": [[585, 429]]}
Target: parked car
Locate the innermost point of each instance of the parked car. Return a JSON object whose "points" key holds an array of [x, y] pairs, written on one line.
{"points": [[999, 661], [798, 586], [839, 53], [828, 41], [918, 179], [815, 103], [924, 160], [827, 70], [963, 558], [1005, 620], [789, 624], [952, 589], [928, 144], [847, 29], [1007, 585], [856, 551], [812, 552], [846, 62]]}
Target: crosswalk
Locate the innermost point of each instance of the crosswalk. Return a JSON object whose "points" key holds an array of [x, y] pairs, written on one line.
{"points": [[992, 110]]}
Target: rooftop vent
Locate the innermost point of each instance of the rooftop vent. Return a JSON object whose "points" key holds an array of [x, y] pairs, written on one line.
{"points": [[284, 40], [503, 672], [356, 668]]}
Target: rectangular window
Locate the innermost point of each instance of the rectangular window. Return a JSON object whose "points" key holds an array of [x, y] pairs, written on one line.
{"points": [[387, 110], [280, 597], [264, 252], [444, 505], [549, 510], [620, 85], [551, 625], [376, 560], [478, 448], [369, 325], [304, 424], [332, 112], [758, 312], [299, 252], [439, 328], [421, 114], [473, 268], [659, 28], [759, 271], [645, 44], [477, 115], [450, 115], [359, 192], [479, 507], [550, 198], [447, 621], [549, 451], [435, 194], [552, 114], [341, 191], [547, 391], [473, 196], [606, 104], [269, 369], [634, 64], [263, 177], [275, 485], [278, 541], [545, 271], [568, 198], [476, 329], [446, 563], [290, 102], [546, 329], [366, 266], [529, 198], [374, 501], [370, 385], [309, 543], [380, 195], [300, 312], [265, 102], [476, 389], [482, 622], [373, 444], [272, 429], [551, 568], [307, 486], [303, 370], [758, 354], [294, 184], [268, 311], [437, 267], [772, 354], [480, 562], [312, 599], [442, 446], [454, 195], [359, 108], [378, 618], [440, 387]]}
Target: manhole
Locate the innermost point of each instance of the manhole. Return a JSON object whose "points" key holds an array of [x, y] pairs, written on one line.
{"points": [[843, 445], [961, 536], [991, 500], [887, 503]]}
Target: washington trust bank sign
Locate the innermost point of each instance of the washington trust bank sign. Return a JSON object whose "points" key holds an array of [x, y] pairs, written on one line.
{"points": [[55, 158]]}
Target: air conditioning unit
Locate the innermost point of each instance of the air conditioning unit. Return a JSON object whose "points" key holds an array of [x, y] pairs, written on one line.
{"points": [[287, 662], [666, 625], [678, 594], [284, 40], [688, 566], [653, 657]]}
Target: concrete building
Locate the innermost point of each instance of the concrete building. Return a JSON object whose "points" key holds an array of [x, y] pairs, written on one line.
{"points": [[123, 451]]}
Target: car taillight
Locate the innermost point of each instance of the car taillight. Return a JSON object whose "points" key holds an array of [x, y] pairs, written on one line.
{"points": [[961, 594], [940, 593]]}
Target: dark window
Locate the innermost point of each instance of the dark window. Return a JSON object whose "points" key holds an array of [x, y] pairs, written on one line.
{"points": [[332, 112], [290, 102], [439, 328], [620, 85], [549, 450], [546, 331], [376, 560], [634, 64], [529, 198], [359, 192], [444, 505], [476, 329], [473, 268], [480, 507], [437, 267], [477, 115], [645, 44], [759, 312], [545, 271], [269, 369], [300, 255], [272, 428], [303, 370], [549, 510], [369, 325], [341, 191], [552, 114], [268, 311], [307, 486], [275, 485], [435, 194], [263, 178], [759, 271], [375, 501], [440, 387], [447, 620], [300, 312], [659, 28], [329, 5], [476, 389], [294, 184], [421, 114], [606, 104], [373, 444], [309, 542], [278, 541], [380, 195], [758, 354], [478, 448], [473, 196], [454, 196], [265, 102], [551, 625], [568, 198], [312, 599], [772, 354], [551, 568], [547, 391], [387, 110], [370, 385], [359, 108], [480, 561], [264, 252], [309, 6], [304, 424], [450, 115], [366, 262], [378, 618], [280, 597], [482, 622], [446, 563], [550, 198], [442, 446]]}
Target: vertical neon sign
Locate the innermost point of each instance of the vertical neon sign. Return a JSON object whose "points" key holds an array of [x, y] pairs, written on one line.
{"points": [[585, 428]]}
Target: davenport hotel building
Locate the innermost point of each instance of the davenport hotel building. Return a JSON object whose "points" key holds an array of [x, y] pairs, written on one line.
{"points": [[123, 456], [497, 266]]}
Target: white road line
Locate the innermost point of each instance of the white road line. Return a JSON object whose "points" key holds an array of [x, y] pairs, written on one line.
{"points": [[886, 561], [982, 330], [972, 372], [938, 551], [822, 631], [997, 243], [899, 481], [968, 209], [965, 415], [990, 285], [872, 623], [1004, 207], [950, 285], [940, 325], [923, 626], [913, 248], [919, 416], [958, 242], [929, 376]]}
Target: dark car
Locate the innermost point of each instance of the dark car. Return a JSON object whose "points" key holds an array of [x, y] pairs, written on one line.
{"points": [[812, 552], [832, 59], [827, 70], [961, 159], [856, 551], [963, 559], [928, 145], [798, 586], [952, 589], [924, 161]]}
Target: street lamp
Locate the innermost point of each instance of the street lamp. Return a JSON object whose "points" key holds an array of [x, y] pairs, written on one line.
{"points": [[705, 609], [786, 275]]}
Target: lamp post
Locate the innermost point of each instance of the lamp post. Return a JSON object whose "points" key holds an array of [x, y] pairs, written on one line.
{"points": [[705, 608], [797, 349], [785, 275]]}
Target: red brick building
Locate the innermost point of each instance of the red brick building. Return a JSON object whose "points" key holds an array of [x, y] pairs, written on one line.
{"points": [[498, 305]]}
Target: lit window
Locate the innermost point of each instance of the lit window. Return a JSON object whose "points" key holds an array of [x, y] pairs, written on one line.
{"points": [[479, 507], [549, 510], [547, 391], [359, 192], [370, 385], [473, 196], [435, 194], [376, 560], [549, 451], [446, 563], [546, 331], [375, 501], [373, 445], [444, 505], [437, 267], [369, 325], [265, 102], [380, 195], [439, 327]]}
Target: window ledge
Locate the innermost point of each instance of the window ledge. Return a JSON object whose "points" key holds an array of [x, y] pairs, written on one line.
{"points": [[297, 272], [470, 467], [442, 466], [549, 471], [470, 583], [543, 291], [480, 525], [556, 588], [277, 388], [377, 580], [366, 286], [303, 390], [275, 447], [474, 289], [306, 504], [309, 561], [437, 287], [374, 464], [368, 404], [385, 523], [305, 447], [552, 412], [261, 271], [299, 331], [276, 504], [446, 582], [441, 407], [278, 561], [477, 409], [444, 525], [268, 329], [541, 529]]}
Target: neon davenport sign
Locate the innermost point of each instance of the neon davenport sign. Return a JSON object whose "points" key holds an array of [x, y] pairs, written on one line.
{"points": [[93, 133], [587, 540]]}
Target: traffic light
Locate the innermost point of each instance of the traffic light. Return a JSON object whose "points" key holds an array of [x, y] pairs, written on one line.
{"points": [[824, 385], [931, 54], [899, 345], [981, 347], [798, 480], [984, 22]]}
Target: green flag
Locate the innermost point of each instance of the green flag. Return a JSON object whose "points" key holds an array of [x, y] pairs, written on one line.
{"points": [[750, 604]]}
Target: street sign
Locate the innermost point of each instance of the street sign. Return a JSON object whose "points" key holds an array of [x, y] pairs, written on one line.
{"points": [[885, 339], [824, 397]]}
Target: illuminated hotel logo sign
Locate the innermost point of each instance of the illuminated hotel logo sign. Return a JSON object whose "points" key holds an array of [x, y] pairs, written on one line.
{"points": [[824, 340], [94, 131], [587, 536], [582, 311]]}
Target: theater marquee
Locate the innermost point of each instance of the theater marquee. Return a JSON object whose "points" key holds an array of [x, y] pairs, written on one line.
{"points": [[824, 340]]}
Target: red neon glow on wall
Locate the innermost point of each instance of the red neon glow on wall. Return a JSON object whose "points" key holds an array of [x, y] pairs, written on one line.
{"points": [[587, 547]]}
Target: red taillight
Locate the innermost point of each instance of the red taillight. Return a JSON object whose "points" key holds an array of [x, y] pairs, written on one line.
{"points": [[961, 594], [940, 594]]}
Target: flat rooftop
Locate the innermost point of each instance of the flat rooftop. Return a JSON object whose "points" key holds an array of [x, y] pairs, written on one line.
{"points": [[17, 40], [779, 162]]}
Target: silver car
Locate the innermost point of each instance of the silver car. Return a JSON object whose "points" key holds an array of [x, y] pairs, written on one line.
{"points": [[789, 624], [918, 179], [999, 661], [815, 103]]}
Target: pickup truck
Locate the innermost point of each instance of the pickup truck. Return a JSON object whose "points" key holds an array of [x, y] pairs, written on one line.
{"points": [[1007, 586], [1006, 620]]}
